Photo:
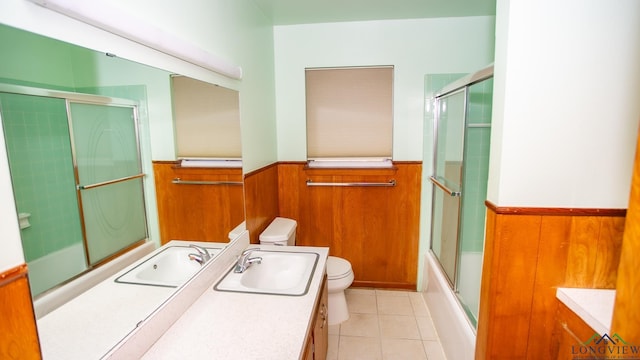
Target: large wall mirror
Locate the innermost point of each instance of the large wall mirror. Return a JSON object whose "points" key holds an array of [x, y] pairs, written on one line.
{"points": [[48, 90]]}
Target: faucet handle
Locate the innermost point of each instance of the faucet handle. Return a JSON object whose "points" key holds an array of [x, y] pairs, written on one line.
{"points": [[249, 251], [204, 253]]}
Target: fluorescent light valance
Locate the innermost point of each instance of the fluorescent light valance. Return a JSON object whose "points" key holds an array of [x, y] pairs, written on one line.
{"points": [[100, 14]]}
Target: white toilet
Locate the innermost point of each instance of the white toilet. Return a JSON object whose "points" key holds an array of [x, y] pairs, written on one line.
{"points": [[282, 231]]}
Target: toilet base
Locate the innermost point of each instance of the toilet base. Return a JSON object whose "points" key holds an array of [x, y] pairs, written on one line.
{"points": [[338, 310]]}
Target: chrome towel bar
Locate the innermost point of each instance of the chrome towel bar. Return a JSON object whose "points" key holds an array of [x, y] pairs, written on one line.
{"points": [[370, 184], [198, 182], [109, 182], [444, 187]]}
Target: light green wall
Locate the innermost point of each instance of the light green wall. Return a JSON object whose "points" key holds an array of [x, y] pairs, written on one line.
{"points": [[415, 47], [236, 31], [476, 166], [94, 73], [38, 60], [39, 149]]}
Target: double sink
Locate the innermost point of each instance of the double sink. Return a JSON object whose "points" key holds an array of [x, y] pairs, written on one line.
{"points": [[277, 272]]}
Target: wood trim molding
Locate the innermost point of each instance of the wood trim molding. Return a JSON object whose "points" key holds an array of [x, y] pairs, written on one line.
{"points": [[529, 252], [511, 210], [13, 274], [259, 170], [19, 338], [172, 162]]}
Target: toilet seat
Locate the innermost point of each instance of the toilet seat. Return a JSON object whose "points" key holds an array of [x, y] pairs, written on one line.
{"points": [[337, 268]]}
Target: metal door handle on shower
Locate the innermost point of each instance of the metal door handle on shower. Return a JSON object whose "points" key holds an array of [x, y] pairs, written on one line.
{"points": [[444, 187]]}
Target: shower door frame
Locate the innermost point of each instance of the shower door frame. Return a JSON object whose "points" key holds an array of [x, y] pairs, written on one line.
{"points": [[457, 193], [97, 100], [461, 85]]}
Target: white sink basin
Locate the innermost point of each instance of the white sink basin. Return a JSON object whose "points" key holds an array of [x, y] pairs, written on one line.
{"points": [[279, 273], [170, 267]]}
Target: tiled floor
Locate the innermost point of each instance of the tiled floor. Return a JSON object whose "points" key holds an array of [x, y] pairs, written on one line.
{"points": [[385, 325]]}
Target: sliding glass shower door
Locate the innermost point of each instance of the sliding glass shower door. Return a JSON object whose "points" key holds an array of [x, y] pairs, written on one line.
{"points": [[447, 177], [109, 177], [462, 125], [77, 179]]}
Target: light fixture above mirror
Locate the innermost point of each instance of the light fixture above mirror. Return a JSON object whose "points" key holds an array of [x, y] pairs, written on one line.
{"points": [[104, 16]]}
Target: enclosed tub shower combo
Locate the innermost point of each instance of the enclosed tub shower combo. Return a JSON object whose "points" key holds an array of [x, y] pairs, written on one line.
{"points": [[76, 170], [460, 113]]}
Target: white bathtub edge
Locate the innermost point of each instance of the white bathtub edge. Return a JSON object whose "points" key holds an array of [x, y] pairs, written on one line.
{"points": [[59, 296], [456, 334]]}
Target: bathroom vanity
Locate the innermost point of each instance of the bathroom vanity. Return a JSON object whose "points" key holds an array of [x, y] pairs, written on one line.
{"points": [[167, 306], [243, 325], [108, 311]]}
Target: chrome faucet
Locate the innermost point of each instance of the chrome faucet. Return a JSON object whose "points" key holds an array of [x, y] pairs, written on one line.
{"points": [[202, 256], [244, 261]]}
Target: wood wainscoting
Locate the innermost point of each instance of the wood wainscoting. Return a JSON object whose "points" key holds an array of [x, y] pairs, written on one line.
{"points": [[197, 212], [19, 336], [626, 312], [376, 228], [261, 199], [529, 252]]}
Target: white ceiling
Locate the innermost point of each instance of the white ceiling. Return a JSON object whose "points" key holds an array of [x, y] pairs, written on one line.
{"points": [[288, 12]]}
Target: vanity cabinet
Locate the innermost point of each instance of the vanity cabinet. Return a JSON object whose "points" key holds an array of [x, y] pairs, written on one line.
{"points": [[201, 204], [318, 338], [570, 335]]}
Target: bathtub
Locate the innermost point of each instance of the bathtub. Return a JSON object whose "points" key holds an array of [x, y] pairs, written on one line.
{"points": [[456, 333], [53, 299], [67, 262]]}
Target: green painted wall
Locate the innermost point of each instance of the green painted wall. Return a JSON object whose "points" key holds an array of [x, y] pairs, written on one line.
{"points": [[76, 69], [39, 151], [476, 166]]}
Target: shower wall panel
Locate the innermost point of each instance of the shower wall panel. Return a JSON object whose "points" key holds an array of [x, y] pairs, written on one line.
{"points": [[39, 151]]}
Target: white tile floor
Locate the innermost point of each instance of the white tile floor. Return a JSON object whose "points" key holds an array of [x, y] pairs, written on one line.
{"points": [[385, 325]]}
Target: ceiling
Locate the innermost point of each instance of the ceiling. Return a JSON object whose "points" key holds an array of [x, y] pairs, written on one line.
{"points": [[289, 12]]}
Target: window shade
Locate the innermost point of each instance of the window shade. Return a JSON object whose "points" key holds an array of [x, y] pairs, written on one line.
{"points": [[349, 112], [207, 119]]}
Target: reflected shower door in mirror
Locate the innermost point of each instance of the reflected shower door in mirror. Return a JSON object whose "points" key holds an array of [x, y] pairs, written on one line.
{"points": [[200, 196], [94, 211], [109, 177], [44, 63]]}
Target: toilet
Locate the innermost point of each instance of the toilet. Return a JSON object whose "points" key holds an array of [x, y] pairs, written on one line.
{"points": [[236, 231], [282, 231]]}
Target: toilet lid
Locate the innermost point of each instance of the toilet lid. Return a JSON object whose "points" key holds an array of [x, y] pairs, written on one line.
{"points": [[337, 267]]}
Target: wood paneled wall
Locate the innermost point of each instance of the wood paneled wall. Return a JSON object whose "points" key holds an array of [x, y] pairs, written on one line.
{"points": [[626, 314], [261, 199], [375, 228], [570, 332], [528, 254], [18, 334], [197, 212]]}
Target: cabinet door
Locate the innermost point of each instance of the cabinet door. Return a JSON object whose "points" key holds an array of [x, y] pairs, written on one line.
{"points": [[570, 333], [308, 349], [192, 205], [321, 328]]}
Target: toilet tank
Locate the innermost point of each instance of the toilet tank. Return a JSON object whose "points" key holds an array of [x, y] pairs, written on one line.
{"points": [[281, 231], [235, 232]]}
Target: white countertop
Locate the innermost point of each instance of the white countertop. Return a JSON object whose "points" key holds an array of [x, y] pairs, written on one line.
{"points": [[92, 323], [228, 325], [594, 306]]}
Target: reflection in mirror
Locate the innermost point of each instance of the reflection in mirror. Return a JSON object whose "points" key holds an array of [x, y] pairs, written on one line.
{"points": [[49, 164], [207, 126], [207, 120]]}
